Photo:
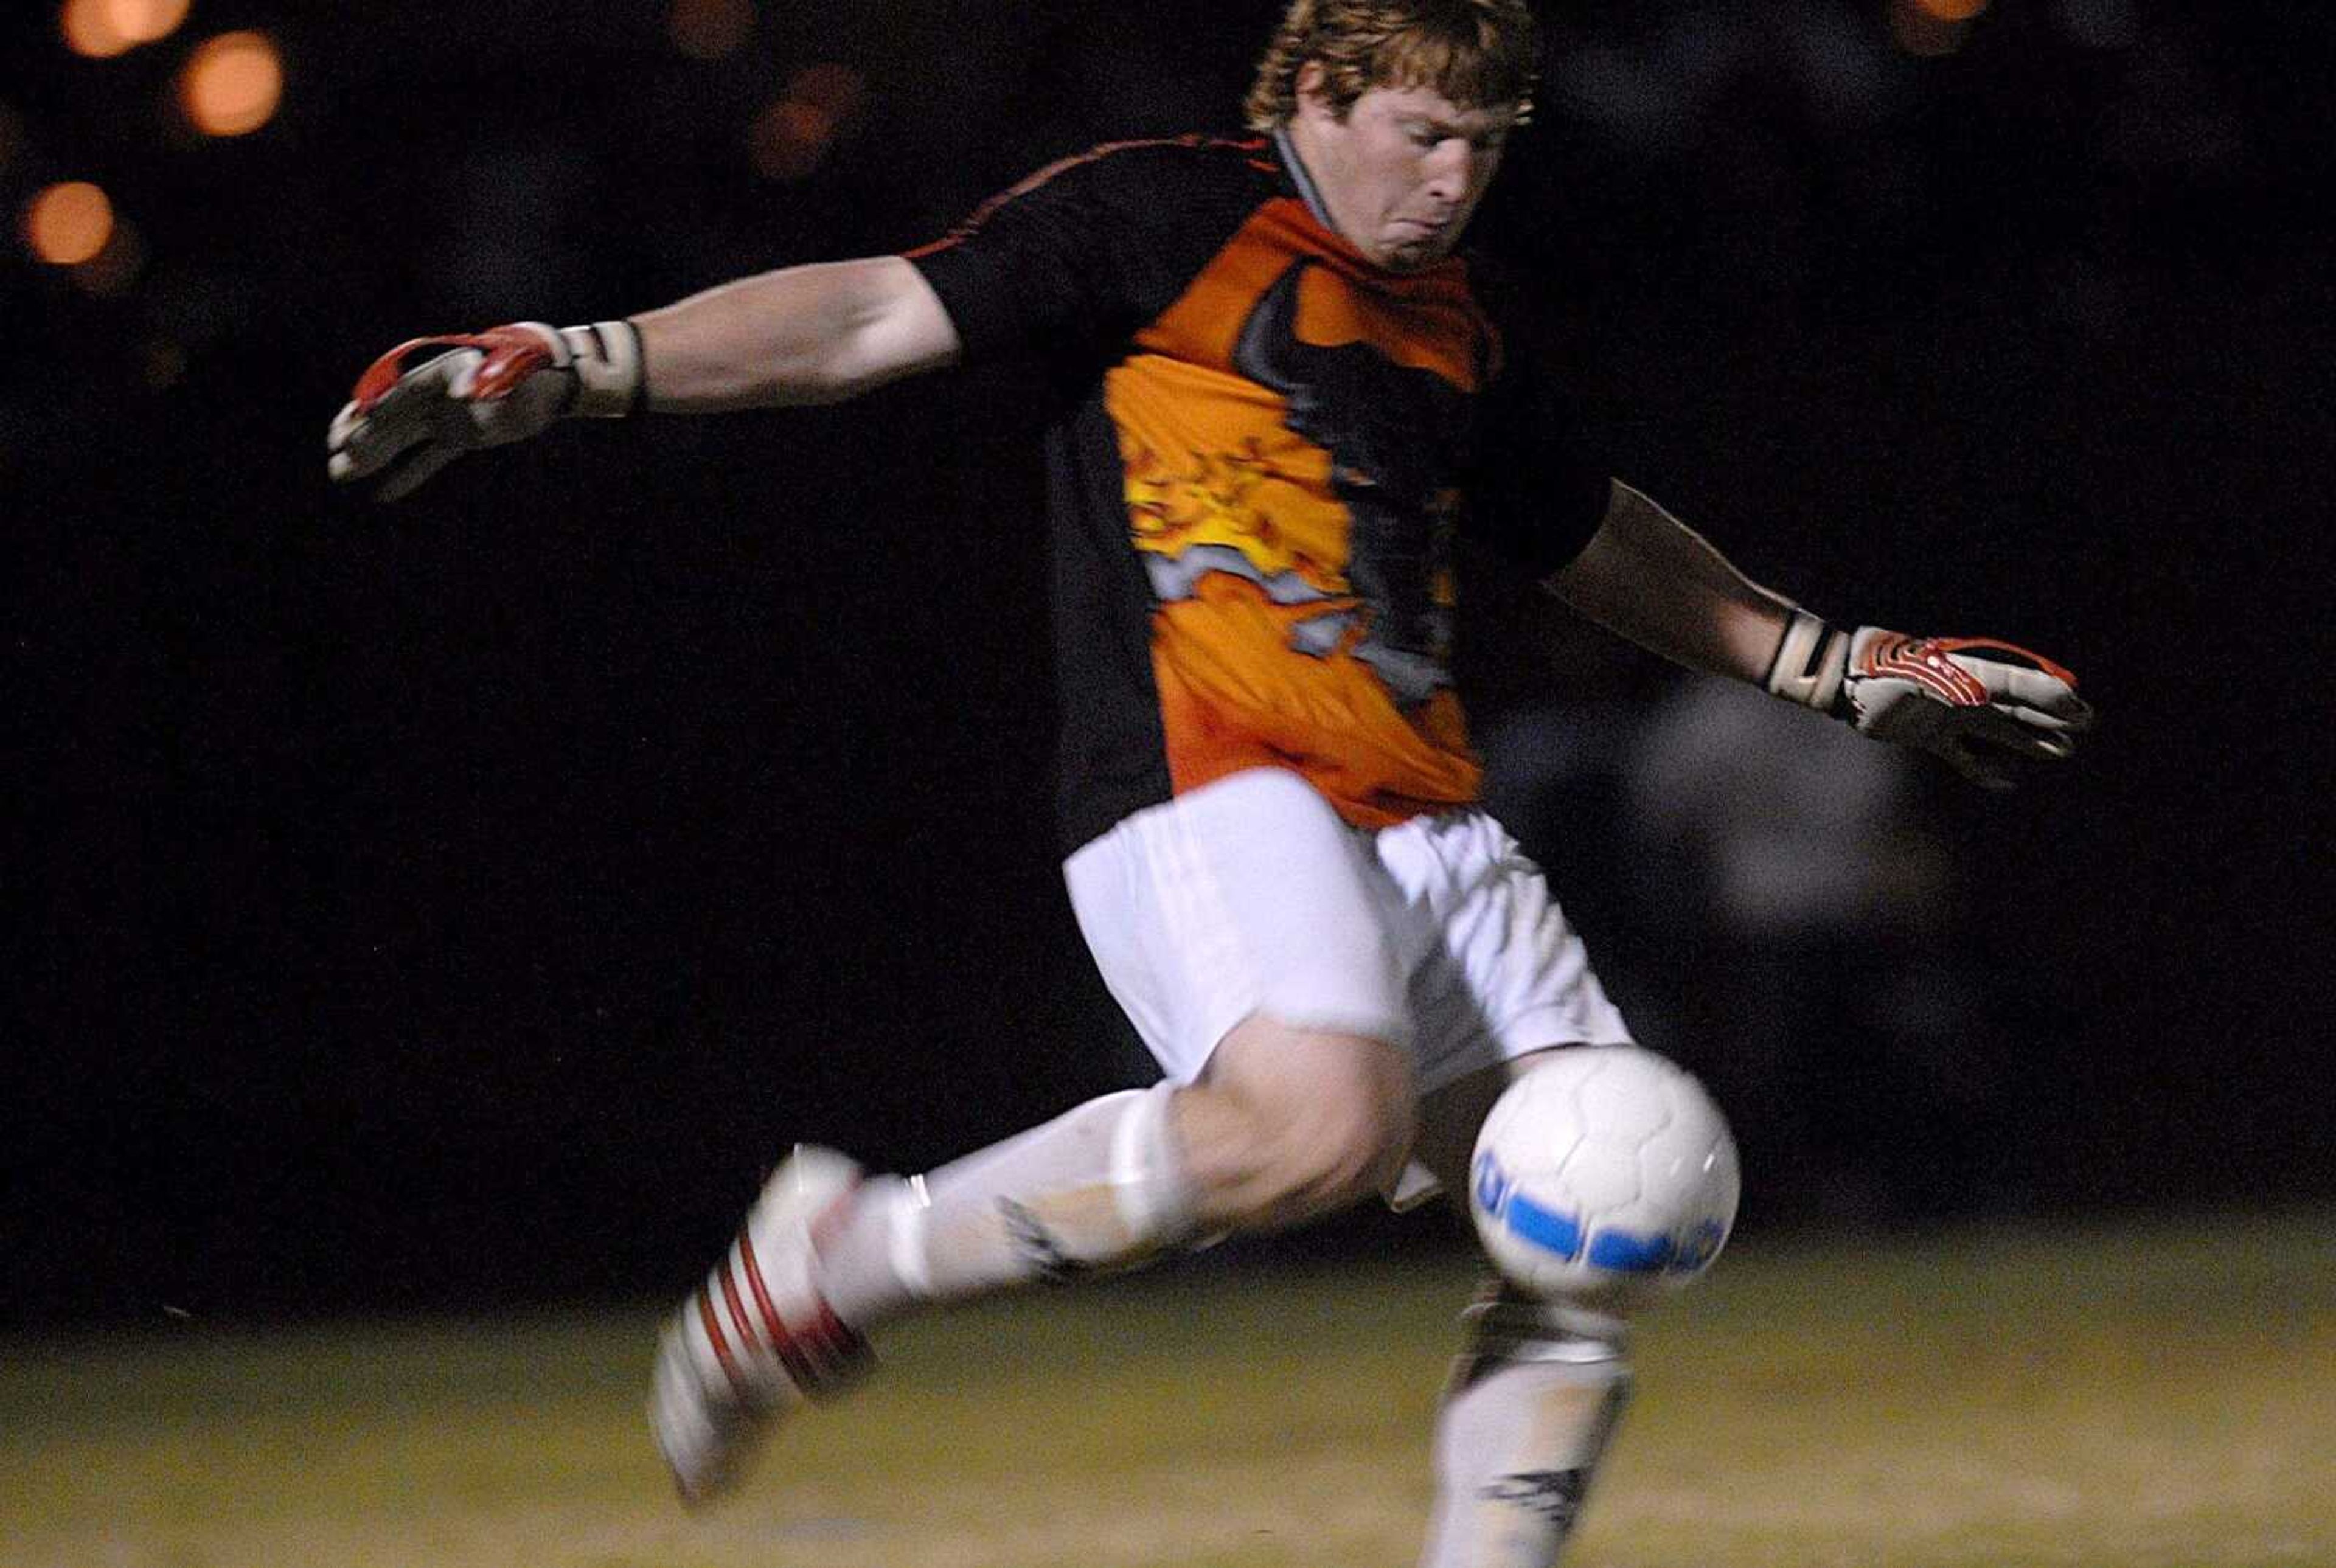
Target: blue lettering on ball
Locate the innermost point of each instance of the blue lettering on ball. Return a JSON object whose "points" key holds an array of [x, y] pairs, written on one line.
{"points": [[1492, 1185], [1545, 1228], [1627, 1252]]}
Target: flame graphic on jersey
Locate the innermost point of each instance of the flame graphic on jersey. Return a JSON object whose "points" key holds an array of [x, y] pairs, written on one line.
{"points": [[1215, 502]]}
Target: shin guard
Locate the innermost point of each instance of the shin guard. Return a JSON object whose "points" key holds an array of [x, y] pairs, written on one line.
{"points": [[1531, 1405]]}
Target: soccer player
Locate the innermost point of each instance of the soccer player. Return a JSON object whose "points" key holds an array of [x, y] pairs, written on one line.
{"points": [[1279, 398]]}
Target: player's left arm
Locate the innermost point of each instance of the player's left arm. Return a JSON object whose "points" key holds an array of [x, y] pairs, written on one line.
{"points": [[1979, 702], [1647, 576]]}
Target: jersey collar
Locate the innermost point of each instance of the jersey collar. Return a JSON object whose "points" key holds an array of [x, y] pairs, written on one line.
{"points": [[1295, 168]]}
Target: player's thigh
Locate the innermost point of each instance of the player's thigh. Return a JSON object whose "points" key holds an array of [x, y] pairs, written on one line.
{"points": [[1249, 896], [1503, 977], [1502, 972]]}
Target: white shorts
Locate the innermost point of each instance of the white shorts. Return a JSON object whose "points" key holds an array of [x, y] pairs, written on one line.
{"points": [[1251, 895]]}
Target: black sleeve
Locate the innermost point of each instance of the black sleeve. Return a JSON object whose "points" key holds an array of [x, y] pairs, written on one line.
{"points": [[1075, 260], [1538, 496], [1540, 488]]}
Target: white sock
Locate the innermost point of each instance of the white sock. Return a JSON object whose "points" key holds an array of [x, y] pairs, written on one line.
{"points": [[1100, 1188], [1529, 1411]]}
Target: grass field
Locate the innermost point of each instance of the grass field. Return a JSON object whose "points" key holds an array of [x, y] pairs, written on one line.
{"points": [[2124, 1396]]}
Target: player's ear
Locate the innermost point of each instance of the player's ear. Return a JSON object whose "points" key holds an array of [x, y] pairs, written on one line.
{"points": [[1310, 87]]}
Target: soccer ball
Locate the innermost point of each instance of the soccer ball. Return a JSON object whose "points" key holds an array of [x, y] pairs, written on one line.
{"points": [[1603, 1177]]}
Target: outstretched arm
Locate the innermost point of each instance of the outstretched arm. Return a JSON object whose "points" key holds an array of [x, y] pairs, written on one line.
{"points": [[1647, 576], [816, 334], [1976, 702]]}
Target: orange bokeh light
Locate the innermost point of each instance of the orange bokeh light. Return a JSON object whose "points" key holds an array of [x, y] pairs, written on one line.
{"points": [[789, 139], [232, 85], [709, 29], [88, 30], [144, 21], [1954, 10], [68, 224]]}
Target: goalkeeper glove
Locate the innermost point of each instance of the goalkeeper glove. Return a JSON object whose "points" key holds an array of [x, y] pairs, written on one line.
{"points": [[1978, 703], [481, 389]]}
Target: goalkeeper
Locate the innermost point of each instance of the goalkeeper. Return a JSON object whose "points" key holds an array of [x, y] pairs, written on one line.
{"points": [[1280, 396]]}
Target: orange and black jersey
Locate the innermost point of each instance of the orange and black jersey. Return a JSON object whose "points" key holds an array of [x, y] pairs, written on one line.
{"points": [[1266, 446]]}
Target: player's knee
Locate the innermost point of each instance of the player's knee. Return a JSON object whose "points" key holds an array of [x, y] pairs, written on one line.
{"points": [[1339, 1144], [1319, 1122]]}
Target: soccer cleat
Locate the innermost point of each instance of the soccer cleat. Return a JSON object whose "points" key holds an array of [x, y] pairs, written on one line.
{"points": [[757, 1339]]}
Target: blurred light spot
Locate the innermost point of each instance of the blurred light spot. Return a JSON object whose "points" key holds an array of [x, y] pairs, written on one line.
{"points": [[67, 224], [88, 29], [144, 21], [1953, 10], [789, 139], [709, 29], [232, 85], [115, 267], [1919, 30], [827, 86]]}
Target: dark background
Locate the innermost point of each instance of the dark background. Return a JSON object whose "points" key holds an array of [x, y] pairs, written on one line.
{"points": [[465, 902]]}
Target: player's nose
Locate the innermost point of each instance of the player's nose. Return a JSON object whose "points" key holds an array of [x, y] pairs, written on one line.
{"points": [[1451, 166]]}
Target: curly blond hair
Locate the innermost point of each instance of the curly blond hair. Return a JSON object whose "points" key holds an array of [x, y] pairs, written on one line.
{"points": [[1481, 53]]}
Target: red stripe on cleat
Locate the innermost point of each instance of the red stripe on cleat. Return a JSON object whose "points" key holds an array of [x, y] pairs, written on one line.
{"points": [[839, 1348], [714, 1336], [782, 1338], [738, 1317]]}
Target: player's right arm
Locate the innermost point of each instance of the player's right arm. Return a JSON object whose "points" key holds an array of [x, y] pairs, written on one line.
{"points": [[817, 334], [1064, 265], [804, 335]]}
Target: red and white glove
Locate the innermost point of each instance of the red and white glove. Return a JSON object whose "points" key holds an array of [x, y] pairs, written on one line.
{"points": [[1980, 704], [479, 389]]}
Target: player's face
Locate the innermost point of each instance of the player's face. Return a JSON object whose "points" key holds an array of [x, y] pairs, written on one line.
{"points": [[1403, 171]]}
